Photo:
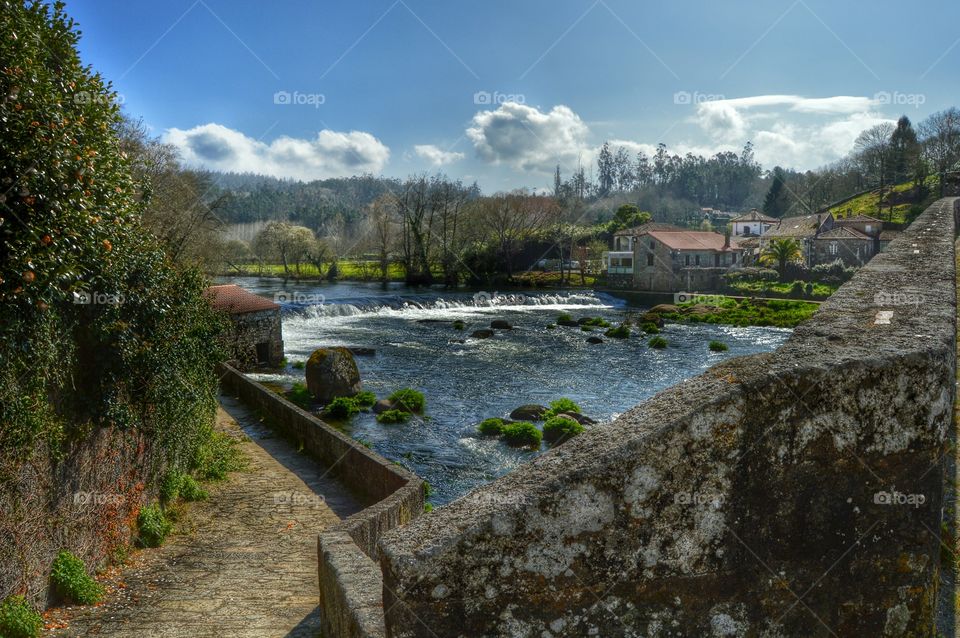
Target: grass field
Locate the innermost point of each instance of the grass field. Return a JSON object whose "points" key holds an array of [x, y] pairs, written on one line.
{"points": [[820, 291], [782, 313], [867, 204]]}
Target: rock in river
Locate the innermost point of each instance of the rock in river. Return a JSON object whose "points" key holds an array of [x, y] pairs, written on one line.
{"points": [[501, 324], [529, 412], [594, 340], [483, 333], [332, 373]]}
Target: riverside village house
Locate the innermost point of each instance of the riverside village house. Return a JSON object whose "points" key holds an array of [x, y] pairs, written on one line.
{"points": [[664, 258], [257, 336]]}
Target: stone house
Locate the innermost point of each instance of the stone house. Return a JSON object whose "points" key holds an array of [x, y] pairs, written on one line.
{"points": [[673, 260], [845, 243], [803, 229], [257, 335], [619, 261]]}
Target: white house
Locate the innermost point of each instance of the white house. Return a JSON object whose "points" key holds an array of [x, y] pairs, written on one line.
{"points": [[752, 224]]}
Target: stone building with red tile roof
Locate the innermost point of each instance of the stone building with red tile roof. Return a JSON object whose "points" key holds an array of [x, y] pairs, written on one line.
{"points": [[257, 335]]}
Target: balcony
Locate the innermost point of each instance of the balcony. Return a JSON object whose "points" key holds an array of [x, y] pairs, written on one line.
{"points": [[619, 262]]}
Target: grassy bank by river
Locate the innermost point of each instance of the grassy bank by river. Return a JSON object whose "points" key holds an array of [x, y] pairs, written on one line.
{"points": [[781, 313]]}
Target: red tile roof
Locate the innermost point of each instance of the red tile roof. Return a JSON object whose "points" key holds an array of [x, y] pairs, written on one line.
{"points": [[643, 228], [236, 300], [692, 240]]}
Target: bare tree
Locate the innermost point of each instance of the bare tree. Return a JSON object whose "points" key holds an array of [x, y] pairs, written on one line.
{"points": [[873, 147], [940, 134]]}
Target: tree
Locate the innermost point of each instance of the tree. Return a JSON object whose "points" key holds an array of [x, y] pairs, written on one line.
{"points": [[606, 175], [904, 150], [381, 215], [286, 242], [779, 252], [777, 201], [628, 216], [873, 147], [941, 142]]}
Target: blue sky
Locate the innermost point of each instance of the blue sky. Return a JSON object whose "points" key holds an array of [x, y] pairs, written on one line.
{"points": [[502, 91]]}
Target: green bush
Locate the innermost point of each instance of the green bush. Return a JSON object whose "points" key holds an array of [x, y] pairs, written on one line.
{"points": [[300, 395], [560, 428], [561, 405], [620, 332], [71, 581], [718, 346], [393, 416], [459, 324], [584, 327], [170, 485], [190, 489], [153, 526], [365, 399], [650, 328], [219, 455], [143, 359], [522, 434], [18, 619], [564, 316], [408, 400], [657, 342], [491, 427], [342, 408]]}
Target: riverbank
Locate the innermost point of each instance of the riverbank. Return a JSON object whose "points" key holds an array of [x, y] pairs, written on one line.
{"points": [[742, 311]]}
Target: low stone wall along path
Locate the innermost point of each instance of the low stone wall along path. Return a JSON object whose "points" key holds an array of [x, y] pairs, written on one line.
{"points": [[243, 563]]}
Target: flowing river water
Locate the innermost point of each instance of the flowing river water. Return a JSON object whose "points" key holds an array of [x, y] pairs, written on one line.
{"points": [[416, 346]]}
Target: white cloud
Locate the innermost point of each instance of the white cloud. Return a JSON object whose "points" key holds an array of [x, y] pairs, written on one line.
{"points": [[527, 138], [788, 130], [329, 154], [435, 155]]}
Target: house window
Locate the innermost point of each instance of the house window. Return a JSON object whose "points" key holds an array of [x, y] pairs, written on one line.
{"points": [[649, 259], [698, 260], [869, 229], [686, 260], [653, 246], [733, 258], [716, 259], [833, 248]]}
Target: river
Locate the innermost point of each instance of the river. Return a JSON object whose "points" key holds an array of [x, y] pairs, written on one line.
{"points": [[416, 346]]}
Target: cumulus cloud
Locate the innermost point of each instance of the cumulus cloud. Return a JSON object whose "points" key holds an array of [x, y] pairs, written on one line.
{"points": [[789, 130], [527, 138], [435, 155], [329, 154]]}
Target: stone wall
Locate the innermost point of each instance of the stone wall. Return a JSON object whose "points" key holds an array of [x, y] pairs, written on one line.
{"points": [[350, 580], [794, 493], [251, 328]]}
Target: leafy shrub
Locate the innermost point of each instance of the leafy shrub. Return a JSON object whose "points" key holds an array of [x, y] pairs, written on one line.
{"points": [[657, 342], [18, 619], [190, 489], [835, 271], [71, 581], [408, 400], [620, 332], [170, 485], [365, 399], [459, 324], [342, 408], [650, 328], [751, 274], [586, 328], [491, 427], [153, 526], [393, 416], [219, 455], [522, 434], [564, 316], [718, 346], [561, 405], [560, 428], [300, 395]]}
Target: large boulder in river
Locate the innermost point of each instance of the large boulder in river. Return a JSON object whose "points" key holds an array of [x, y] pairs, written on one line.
{"points": [[332, 373], [579, 418], [594, 339], [530, 412], [383, 405], [664, 307], [570, 323], [483, 333], [501, 324], [651, 317]]}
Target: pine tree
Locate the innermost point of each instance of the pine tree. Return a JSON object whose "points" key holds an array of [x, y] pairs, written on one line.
{"points": [[777, 201]]}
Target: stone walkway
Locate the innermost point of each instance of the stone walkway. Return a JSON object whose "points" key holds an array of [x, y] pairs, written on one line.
{"points": [[243, 563]]}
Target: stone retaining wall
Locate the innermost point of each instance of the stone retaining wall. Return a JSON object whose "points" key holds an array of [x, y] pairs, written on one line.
{"points": [[794, 493], [349, 578]]}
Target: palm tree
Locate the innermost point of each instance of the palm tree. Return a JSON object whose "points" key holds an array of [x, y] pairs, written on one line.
{"points": [[780, 251]]}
